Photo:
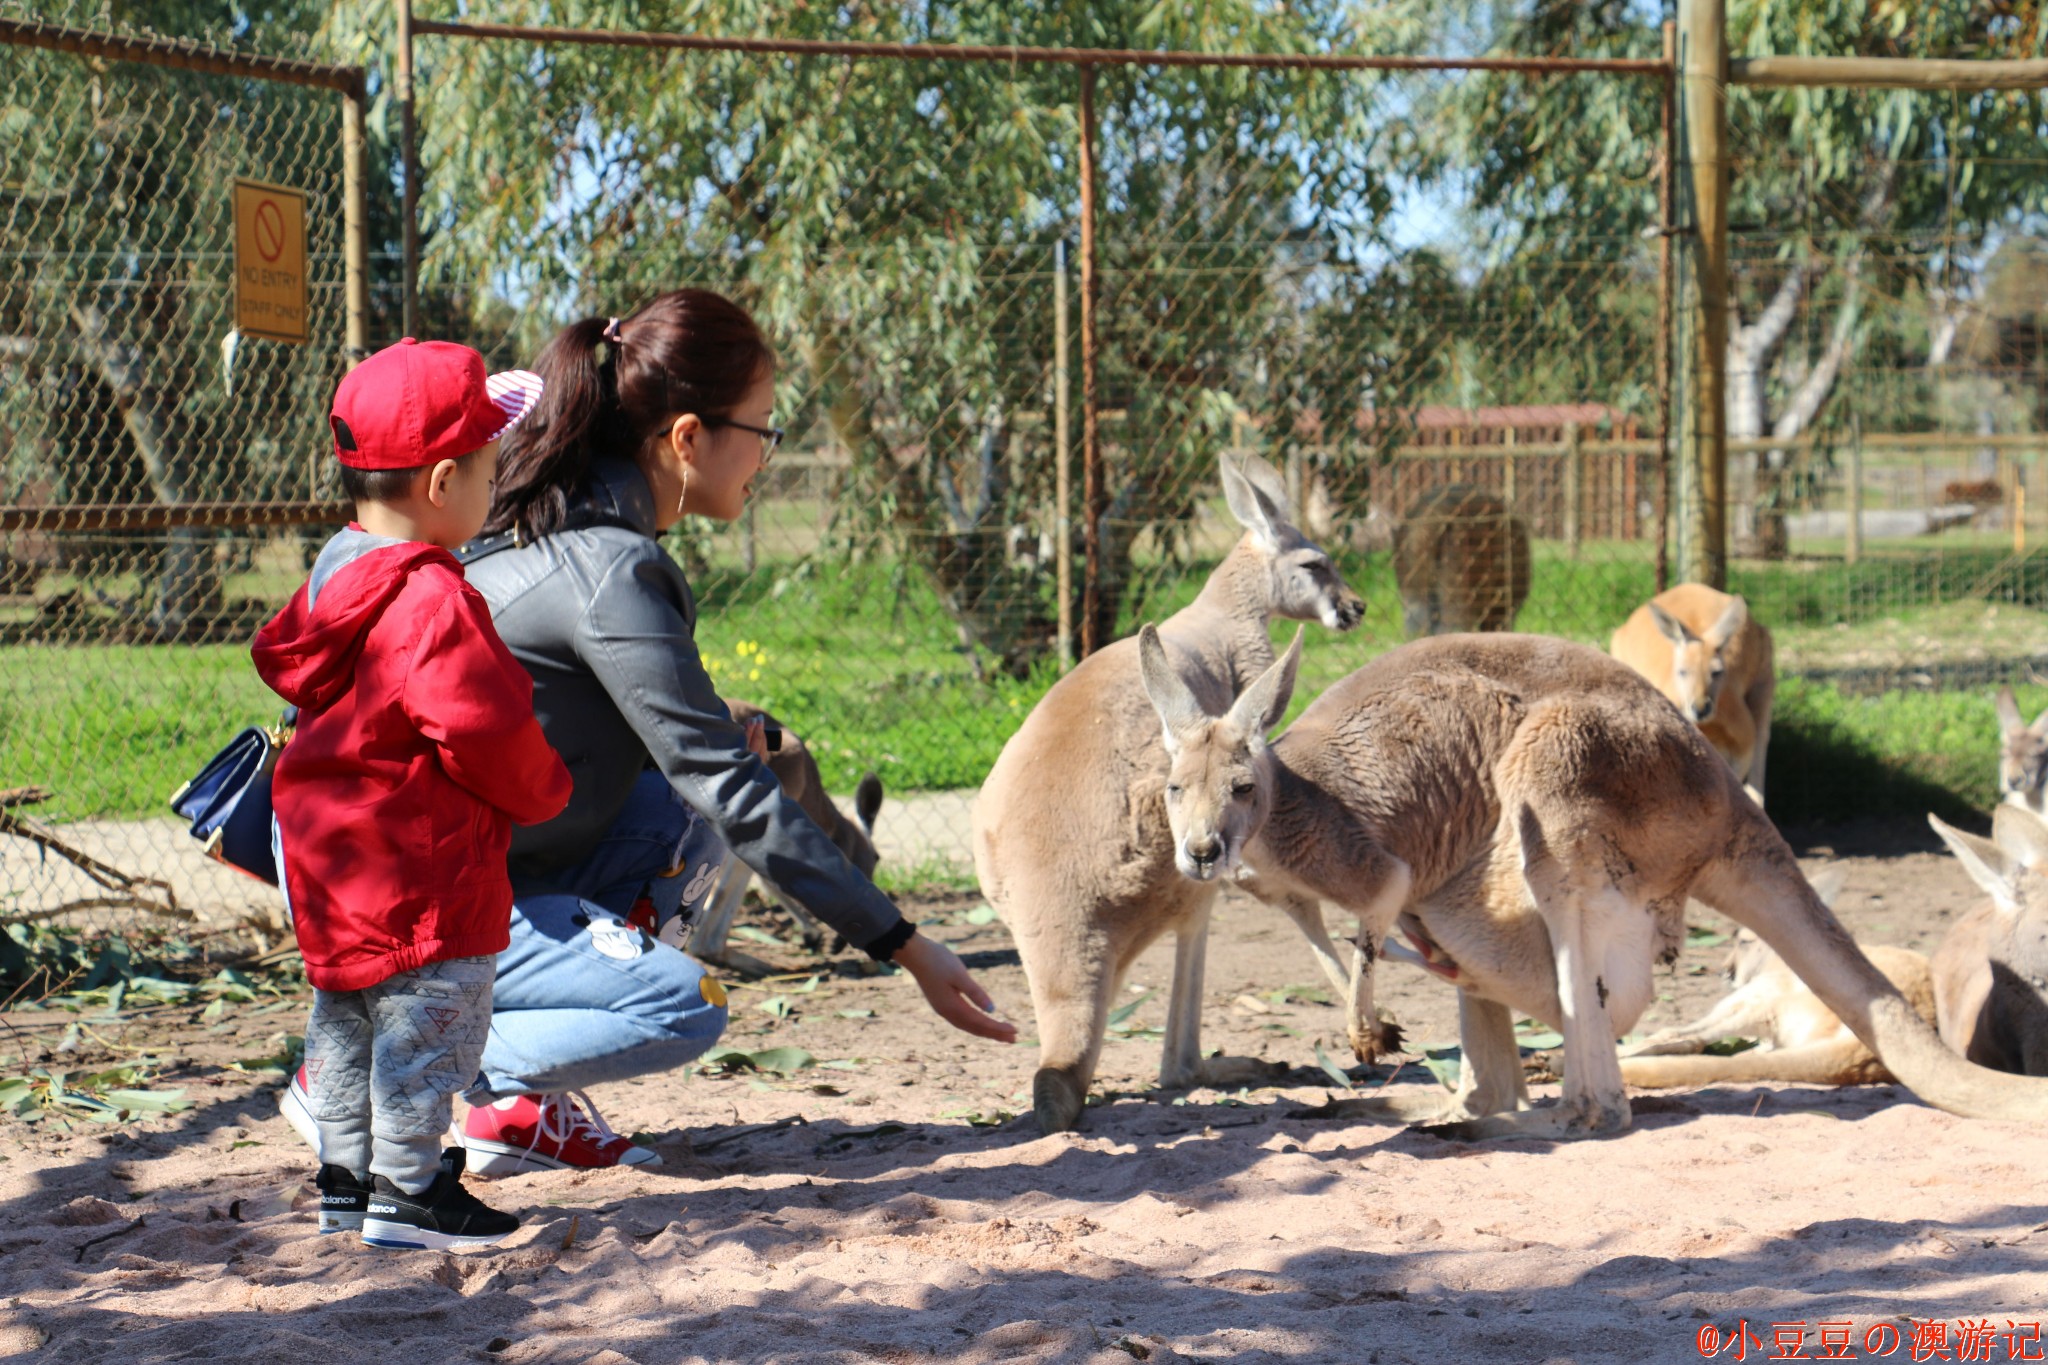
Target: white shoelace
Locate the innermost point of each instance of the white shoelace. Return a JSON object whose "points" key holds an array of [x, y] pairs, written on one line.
{"points": [[561, 1119]]}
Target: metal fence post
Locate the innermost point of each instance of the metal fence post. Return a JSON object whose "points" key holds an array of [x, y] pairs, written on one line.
{"points": [[409, 157], [354, 246], [1666, 177], [1092, 493], [1063, 458]]}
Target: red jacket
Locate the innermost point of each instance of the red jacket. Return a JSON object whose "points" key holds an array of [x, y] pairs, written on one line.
{"points": [[416, 751]]}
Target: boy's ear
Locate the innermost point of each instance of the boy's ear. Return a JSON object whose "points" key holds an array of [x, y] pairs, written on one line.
{"points": [[437, 482]]}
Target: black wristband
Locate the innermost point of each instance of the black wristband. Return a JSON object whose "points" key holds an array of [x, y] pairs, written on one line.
{"points": [[884, 948]]}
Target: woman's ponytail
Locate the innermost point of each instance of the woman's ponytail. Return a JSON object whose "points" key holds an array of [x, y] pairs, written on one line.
{"points": [[611, 384]]}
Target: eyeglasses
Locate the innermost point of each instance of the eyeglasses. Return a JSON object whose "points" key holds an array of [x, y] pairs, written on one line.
{"points": [[771, 437]]}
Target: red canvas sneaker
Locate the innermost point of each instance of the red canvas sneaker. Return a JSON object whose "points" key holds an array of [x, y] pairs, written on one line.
{"points": [[545, 1133]]}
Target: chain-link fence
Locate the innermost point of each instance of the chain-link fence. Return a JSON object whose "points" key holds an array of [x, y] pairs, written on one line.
{"points": [[140, 434], [1284, 270], [1417, 293]]}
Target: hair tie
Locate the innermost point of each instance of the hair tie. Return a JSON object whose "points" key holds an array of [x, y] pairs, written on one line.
{"points": [[611, 333]]}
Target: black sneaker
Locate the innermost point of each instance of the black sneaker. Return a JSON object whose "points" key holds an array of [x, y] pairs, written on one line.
{"points": [[442, 1217], [344, 1198]]}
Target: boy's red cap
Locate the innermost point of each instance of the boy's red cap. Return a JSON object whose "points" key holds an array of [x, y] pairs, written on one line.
{"points": [[421, 402]]}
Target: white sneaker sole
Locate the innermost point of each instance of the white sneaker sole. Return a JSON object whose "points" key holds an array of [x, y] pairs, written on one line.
{"points": [[292, 1104], [340, 1222], [495, 1160], [379, 1232]]}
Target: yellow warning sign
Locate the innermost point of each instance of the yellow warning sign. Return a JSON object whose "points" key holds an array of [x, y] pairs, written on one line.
{"points": [[270, 261]]}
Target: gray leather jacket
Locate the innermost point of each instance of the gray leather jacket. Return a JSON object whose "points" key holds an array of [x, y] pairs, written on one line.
{"points": [[605, 622]]}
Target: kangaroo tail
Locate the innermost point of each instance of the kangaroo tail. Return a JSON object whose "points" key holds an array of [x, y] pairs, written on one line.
{"points": [[1755, 882], [1837, 1062]]}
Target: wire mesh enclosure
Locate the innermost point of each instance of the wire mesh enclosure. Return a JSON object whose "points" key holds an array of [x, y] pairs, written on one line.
{"points": [[1022, 307], [140, 438]]}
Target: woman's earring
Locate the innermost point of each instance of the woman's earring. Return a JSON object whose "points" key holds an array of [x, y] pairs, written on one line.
{"points": [[685, 495]]}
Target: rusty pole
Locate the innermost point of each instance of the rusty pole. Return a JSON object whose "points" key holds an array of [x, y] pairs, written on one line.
{"points": [[1092, 499], [354, 219], [1665, 163], [408, 140]]}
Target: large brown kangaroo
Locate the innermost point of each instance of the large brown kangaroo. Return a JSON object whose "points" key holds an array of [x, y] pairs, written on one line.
{"points": [[1070, 838], [1532, 815]]}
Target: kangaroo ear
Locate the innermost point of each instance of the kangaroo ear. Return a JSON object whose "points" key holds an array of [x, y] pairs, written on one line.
{"points": [[1256, 509], [2021, 834], [1732, 619], [1827, 884], [1986, 863], [1670, 626], [1265, 701], [2041, 724], [2008, 708], [1175, 702]]}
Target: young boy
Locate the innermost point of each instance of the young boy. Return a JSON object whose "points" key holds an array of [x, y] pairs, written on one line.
{"points": [[416, 751]]}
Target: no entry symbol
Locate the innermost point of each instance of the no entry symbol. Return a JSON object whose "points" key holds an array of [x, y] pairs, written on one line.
{"points": [[268, 230]]}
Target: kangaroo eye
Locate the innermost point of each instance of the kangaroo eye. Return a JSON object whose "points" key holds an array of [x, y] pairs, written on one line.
{"points": [[1242, 787], [1173, 790]]}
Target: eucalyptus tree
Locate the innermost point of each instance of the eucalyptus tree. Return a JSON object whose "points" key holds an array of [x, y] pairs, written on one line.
{"points": [[1860, 217], [894, 224]]}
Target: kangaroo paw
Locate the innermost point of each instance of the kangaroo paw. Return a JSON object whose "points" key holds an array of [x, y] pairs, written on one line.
{"points": [[1057, 1100], [1370, 1042], [1406, 1109], [1219, 1072], [1555, 1123]]}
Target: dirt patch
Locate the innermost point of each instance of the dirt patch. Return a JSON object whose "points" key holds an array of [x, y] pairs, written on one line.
{"points": [[910, 1217]]}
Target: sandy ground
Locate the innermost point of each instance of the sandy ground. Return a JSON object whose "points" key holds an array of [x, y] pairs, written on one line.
{"points": [[904, 1215]]}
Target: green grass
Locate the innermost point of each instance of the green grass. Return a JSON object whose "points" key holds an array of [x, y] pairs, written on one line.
{"points": [[866, 666]]}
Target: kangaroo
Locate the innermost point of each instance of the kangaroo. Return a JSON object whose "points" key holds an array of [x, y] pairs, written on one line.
{"points": [[1798, 1038], [1532, 815], [2022, 756], [1461, 562], [1704, 651], [1071, 844], [1991, 970], [798, 773]]}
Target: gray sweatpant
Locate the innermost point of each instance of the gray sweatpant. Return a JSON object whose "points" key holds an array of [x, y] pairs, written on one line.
{"points": [[383, 1064]]}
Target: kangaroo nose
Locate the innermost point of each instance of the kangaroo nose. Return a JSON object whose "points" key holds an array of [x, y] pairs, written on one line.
{"points": [[1205, 851]]}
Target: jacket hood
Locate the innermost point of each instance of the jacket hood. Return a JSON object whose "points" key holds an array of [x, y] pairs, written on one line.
{"points": [[307, 654]]}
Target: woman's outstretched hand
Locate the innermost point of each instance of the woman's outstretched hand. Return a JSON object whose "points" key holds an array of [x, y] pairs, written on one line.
{"points": [[952, 990]]}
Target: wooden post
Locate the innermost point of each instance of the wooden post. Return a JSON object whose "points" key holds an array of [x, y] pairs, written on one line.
{"points": [[1703, 441], [2019, 506], [1507, 469], [1852, 544], [1574, 475], [1093, 496], [409, 158], [1063, 459], [355, 292]]}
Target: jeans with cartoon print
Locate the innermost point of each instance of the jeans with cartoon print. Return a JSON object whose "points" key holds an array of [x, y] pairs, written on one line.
{"points": [[584, 994]]}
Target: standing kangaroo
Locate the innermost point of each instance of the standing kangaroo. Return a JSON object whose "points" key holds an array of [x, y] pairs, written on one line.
{"points": [[1461, 562], [2022, 756], [1704, 651], [1991, 970], [1533, 817], [1070, 841], [798, 773]]}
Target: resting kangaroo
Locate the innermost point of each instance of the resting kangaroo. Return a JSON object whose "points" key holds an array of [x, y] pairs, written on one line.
{"points": [[798, 773], [1070, 841], [2022, 756], [1991, 970], [1533, 816], [1703, 650], [1798, 1038]]}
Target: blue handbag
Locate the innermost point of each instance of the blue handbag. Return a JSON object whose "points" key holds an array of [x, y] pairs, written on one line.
{"points": [[228, 800]]}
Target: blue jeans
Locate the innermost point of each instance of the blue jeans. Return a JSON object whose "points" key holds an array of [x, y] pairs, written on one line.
{"points": [[583, 997]]}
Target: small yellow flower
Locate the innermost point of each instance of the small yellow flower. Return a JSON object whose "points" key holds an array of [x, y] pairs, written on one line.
{"points": [[753, 675]]}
